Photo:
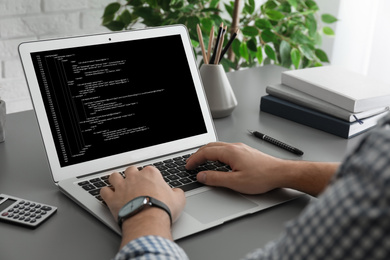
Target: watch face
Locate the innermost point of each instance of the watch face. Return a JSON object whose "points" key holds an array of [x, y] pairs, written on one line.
{"points": [[134, 206]]}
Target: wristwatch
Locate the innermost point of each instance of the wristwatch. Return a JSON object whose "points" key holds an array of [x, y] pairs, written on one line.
{"points": [[136, 205]]}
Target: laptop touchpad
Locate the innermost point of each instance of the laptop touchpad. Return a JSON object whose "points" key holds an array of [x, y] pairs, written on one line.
{"points": [[215, 204]]}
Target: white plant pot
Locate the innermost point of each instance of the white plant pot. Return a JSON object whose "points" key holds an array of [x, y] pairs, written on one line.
{"points": [[220, 95]]}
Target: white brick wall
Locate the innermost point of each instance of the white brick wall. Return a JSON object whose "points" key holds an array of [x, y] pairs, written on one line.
{"points": [[26, 20]]}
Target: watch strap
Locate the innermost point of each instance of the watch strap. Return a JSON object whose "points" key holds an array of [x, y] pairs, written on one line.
{"points": [[152, 202]]}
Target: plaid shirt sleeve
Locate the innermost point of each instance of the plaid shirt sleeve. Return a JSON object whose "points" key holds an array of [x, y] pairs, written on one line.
{"points": [[350, 220], [153, 248]]}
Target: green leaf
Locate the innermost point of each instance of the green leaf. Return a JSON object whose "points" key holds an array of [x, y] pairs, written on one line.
{"points": [[227, 64], [284, 7], [328, 18], [229, 9], [187, 8], [318, 39], [236, 47], [207, 23], [177, 5], [250, 31], [293, 3], [270, 52], [165, 4], [111, 9], [250, 7], [214, 3], [300, 38], [267, 35], [107, 19], [217, 19], [269, 5], [259, 54], [115, 25], [274, 15], [307, 52], [263, 24], [192, 21], [125, 17], [295, 57], [321, 55], [328, 31], [209, 10], [312, 5], [135, 2], [152, 3], [251, 44], [311, 24], [148, 15], [194, 43], [285, 50], [244, 51]]}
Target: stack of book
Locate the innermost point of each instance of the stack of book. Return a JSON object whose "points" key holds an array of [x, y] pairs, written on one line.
{"points": [[328, 98]]}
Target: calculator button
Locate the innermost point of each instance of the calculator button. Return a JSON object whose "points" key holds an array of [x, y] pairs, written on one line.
{"points": [[45, 208], [4, 214]]}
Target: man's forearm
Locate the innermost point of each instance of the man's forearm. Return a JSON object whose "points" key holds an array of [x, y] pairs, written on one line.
{"points": [[151, 221], [309, 177]]}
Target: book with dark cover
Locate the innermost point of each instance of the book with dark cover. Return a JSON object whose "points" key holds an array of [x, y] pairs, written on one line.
{"points": [[316, 119]]}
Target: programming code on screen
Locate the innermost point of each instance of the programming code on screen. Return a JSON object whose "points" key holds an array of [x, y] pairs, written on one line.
{"points": [[112, 98]]}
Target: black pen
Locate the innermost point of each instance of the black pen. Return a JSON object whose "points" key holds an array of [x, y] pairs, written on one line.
{"points": [[234, 35], [276, 142], [211, 61]]}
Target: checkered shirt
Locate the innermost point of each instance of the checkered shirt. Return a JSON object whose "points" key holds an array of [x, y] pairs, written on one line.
{"points": [[350, 220]]}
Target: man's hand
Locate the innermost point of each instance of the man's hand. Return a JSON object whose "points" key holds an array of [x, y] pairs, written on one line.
{"points": [[254, 172], [147, 182]]}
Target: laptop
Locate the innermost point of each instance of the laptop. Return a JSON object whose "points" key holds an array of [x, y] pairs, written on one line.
{"points": [[107, 101]]}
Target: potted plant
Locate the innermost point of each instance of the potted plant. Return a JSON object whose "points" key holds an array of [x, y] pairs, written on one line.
{"points": [[283, 32]]}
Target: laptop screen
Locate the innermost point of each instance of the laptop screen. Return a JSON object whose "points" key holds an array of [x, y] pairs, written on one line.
{"points": [[108, 99]]}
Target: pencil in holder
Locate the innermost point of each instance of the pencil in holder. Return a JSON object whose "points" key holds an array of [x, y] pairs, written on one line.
{"points": [[219, 92]]}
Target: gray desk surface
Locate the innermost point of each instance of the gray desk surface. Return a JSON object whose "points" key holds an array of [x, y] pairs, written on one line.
{"points": [[72, 233]]}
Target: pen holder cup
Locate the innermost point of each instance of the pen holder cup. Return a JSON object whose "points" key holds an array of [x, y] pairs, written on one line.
{"points": [[219, 93], [2, 120]]}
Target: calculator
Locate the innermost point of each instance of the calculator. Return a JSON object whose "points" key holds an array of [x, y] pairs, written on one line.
{"points": [[24, 212]]}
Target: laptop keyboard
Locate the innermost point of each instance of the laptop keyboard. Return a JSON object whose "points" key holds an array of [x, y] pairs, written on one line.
{"points": [[172, 170]]}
